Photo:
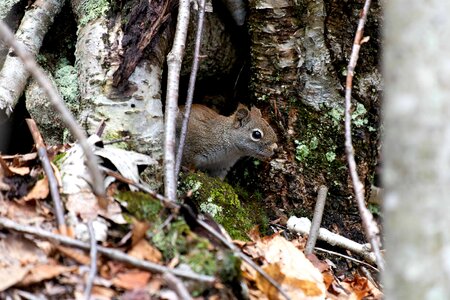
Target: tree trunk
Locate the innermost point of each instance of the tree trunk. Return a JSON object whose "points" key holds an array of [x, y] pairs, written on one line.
{"points": [[416, 153], [300, 51]]}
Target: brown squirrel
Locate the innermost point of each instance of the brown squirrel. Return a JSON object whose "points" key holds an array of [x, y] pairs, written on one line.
{"points": [[214, 143]]}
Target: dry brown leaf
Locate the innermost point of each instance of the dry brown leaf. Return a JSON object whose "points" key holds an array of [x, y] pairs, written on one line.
{"points": [[85, 204], [39, 191], [20, 170], [100, 293], [290, 268], [359, 286], [11, 275], [143, 250], [254, 234], [15, 249], [139, 231], [131, 280], [24, 214], [76, 254], [44, 272]]}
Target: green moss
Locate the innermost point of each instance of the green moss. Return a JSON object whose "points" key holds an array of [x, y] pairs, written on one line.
{"points": [[59, 159], [115, 136], [92, 9], [301, 151], [141, 205], [221, 201], [331, 156]]}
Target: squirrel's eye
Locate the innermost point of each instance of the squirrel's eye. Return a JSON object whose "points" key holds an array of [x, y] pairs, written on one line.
{"points": [[257, 134]]}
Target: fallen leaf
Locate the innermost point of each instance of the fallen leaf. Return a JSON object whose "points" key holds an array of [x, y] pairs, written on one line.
{"points": [[44, 272], [143, 250], [100, 293], [20, 170], [85, 204], [139, 231], [131, 280], [359, 286], [15, 249], [76, 254], [39, 191], [289, 267], [11, 275]]}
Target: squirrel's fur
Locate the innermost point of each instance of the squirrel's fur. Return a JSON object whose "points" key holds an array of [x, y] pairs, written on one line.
{"points": [[214, 143]]}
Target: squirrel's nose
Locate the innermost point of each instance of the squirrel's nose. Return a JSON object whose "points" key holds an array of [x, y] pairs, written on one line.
{"points": [[274, 147]]}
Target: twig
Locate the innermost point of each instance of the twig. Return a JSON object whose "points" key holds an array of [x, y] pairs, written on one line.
{"points": [[317, 219], [347, 257], [177, 286], [244, 257], [52, 94], [303, 225], [174, 59], [124, 139], [167, 203], [369, 225], [52, 182], [191, 88], [111, 253], [93, 257]]}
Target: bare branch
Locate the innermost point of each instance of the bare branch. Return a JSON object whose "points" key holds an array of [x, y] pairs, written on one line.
{"points": [[370, 227], [174, 60], [53, 95], [190, 94], [317, 219], [111, 253], [52, 182], [93, 257], [177, 286], [347, 257]]}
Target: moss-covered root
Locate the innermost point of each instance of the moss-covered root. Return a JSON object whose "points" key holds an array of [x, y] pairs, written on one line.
{"points": [[220, 201]]}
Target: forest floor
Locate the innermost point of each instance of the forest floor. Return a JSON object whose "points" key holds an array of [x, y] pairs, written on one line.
{"points": [[38, 263]]}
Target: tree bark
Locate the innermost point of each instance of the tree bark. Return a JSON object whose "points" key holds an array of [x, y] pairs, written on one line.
{"points": [[417, 154], [300, 50]]}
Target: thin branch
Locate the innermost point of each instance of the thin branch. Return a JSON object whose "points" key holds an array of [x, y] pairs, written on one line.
{"points": [[191, 88], [174, 60], [347, 257], [177, 286], [167, 202], [317, 219], [369, 225], [52, 182], [110, 253], [53, 95], [93, 257]]}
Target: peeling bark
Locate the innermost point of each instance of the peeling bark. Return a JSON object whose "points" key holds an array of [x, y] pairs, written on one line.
{"points": [[136, 112]]}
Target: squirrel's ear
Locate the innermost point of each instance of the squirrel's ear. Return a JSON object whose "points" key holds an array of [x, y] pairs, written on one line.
{"points": [[241, 116], [255, 112]]}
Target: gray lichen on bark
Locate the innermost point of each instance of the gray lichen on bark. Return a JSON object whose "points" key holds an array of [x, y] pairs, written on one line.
{"points": [[136, 112]]}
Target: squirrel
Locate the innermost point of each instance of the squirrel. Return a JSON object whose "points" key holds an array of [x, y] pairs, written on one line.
{"points": [[214, 143]]}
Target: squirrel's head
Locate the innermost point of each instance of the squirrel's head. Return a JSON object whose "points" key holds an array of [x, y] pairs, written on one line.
{"points": [[253, 135]]}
